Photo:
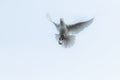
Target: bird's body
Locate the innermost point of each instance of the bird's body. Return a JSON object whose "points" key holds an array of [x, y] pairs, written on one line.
{"points": [[66, 32]]}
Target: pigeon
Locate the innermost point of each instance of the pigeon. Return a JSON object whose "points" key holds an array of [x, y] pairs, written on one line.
{"points": [[66, 35]]}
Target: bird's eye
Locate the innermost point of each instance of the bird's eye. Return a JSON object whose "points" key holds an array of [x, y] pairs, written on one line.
{"points": [[61, 37]]}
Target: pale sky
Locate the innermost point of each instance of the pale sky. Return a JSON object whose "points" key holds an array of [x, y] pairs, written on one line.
{"points": [[29, 50]]}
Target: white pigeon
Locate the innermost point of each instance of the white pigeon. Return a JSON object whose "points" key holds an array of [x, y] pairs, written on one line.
{"points": [[66, 36]]}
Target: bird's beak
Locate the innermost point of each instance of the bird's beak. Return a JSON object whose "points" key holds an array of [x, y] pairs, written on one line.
{"points": [[60, 42]]}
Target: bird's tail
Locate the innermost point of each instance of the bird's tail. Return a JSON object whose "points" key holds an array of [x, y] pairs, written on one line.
{"points": [[68, 41]]}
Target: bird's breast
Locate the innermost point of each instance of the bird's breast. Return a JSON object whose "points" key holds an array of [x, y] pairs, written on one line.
{"points": [[63, 31]]}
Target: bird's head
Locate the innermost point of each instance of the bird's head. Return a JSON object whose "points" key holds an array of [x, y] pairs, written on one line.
{"points": [[61, 38]]}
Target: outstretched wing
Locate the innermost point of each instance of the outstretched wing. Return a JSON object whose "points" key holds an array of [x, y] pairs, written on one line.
{"points": [[50, 19], [57, 25], [76, 28]]}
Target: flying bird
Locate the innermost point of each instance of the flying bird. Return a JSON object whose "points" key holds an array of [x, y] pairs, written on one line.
{"points": [[66, 36]]}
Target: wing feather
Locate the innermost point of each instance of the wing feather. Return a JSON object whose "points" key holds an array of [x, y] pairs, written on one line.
{"points": [[57, 26], [76, 28], [50, 19]]}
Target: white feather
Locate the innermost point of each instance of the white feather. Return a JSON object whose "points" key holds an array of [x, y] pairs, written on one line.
{"points": [[68, 41]]}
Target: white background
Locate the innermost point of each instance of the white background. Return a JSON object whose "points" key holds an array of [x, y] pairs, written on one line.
{"points": [[29, 51]]}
